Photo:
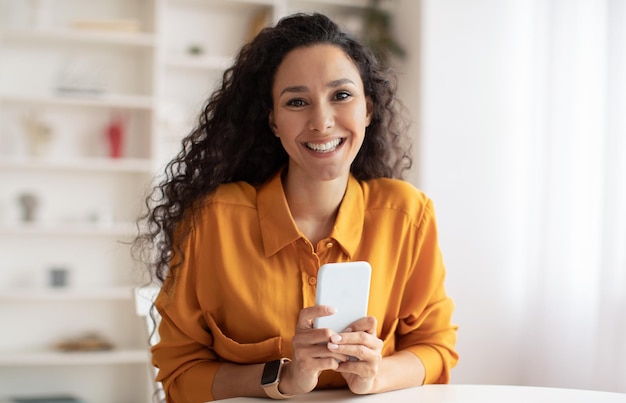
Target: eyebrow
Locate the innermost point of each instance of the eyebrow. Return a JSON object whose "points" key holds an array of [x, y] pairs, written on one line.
{"points": [[332, 84]]}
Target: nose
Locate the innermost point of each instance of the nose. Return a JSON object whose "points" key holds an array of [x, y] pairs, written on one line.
{"points": [[321, 118]]}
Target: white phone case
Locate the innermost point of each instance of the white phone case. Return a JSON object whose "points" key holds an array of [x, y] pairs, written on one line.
{"points": [[344, 286]]}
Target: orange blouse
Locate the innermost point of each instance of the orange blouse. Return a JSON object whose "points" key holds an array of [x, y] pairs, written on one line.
{"points": [[248, 271]]}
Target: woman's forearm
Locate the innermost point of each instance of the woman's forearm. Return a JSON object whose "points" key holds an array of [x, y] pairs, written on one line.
{"points": [[233, 380], [398, 371]]}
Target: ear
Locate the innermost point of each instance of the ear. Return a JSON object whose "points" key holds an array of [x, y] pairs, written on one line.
{"points": [[272, 124], [369, 107]]}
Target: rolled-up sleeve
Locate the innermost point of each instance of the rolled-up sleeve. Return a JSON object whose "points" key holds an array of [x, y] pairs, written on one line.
{"points": [[184, 356], [425, 326]]}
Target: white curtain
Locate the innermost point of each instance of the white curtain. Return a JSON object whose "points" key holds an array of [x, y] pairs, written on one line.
{"points": [[574, 230]]}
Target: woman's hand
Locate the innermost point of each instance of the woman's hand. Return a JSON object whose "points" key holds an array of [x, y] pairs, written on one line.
{"points": [[359, 342], [311, 354]]}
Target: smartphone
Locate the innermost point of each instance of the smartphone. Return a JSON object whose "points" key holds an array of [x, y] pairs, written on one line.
{"points": [[345, 286]]}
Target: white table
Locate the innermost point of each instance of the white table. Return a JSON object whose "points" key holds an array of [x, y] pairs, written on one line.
{"points": [[458, 394]]}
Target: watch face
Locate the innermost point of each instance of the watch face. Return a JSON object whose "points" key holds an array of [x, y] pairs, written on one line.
{"points": [[270, 372]]}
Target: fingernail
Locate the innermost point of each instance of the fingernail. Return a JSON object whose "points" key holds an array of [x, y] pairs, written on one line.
{"points": [[348, 330], [331, 309], [332, 346], [335, 338]]}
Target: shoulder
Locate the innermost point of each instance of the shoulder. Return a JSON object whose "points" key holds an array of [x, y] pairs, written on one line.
{"points": [[396, 195], [234, 194], [229, 200]]}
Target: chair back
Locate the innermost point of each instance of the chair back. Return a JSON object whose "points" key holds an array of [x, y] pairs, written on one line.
{"points": [[144, 307]]}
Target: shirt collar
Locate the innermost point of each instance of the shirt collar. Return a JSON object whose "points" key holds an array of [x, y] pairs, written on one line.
{"points": [[278, 229], [349, 223]]}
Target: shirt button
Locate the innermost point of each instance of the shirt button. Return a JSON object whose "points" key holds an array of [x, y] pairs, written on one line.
{"points": [[329, 244], [312, 280]]}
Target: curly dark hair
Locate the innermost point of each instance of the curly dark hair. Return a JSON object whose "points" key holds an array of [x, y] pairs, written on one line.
{"points": [[233, 141]]}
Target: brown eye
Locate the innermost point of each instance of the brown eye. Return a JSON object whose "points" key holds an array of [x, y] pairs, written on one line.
{"points": [[296, 103], [342, 95]]}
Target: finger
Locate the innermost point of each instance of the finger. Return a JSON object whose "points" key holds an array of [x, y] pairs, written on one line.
{"points": [[360, 345], [315, 351], [362, 369], [366, 324], [316, 358], [363, 361], [308, 315], [354, 352], [311, 337], [323, 352], [357, 338]]}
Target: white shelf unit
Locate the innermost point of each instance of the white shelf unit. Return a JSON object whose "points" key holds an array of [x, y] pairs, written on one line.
{"points": [[74, 81], [72, 294], [87, 200], [120, 101], [71, 35], [50, 358], [93, 164]]}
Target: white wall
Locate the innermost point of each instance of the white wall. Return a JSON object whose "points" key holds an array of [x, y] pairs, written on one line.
{"points": [[463, 83]]}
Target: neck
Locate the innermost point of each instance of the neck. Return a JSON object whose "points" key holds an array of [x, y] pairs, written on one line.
{"points": [[314, 205]]}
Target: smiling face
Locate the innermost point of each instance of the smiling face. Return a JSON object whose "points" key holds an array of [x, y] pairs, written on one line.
{"points": [[320, 112]]}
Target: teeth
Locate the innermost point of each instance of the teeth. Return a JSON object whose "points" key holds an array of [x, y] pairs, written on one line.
{"points": [[324, 148]]}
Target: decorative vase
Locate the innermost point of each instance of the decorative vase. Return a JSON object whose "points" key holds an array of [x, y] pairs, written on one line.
{"points": [[115, 135], [39, 135], [29, 203]]}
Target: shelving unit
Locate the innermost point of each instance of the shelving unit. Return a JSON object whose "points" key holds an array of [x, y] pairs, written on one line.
{"points": [[86, 294], [87, 200], [73, 81], [130, 165], [48, 358], [102, 101], [72, 36]]}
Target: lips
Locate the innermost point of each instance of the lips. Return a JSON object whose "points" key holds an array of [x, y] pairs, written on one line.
{"points": [[324, 147]]}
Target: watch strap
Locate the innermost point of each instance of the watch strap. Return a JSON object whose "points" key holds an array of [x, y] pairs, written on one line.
{"points": [[271, 390]]}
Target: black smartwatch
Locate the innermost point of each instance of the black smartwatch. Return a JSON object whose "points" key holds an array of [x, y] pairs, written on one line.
{"points": [[271, 378]]}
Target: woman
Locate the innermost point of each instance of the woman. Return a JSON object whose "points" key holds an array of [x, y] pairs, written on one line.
{"points": [[291, 166]]}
